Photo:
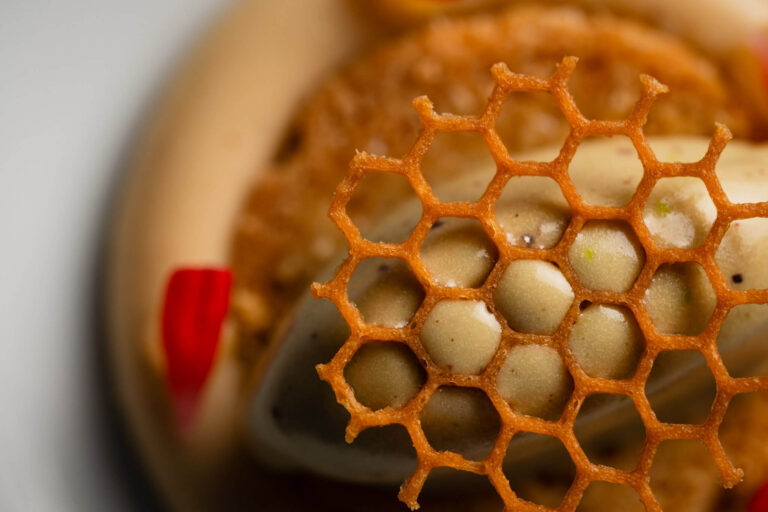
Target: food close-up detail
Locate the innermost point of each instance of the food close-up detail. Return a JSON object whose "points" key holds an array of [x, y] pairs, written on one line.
{"points": [[557, 267], [494, 254]]}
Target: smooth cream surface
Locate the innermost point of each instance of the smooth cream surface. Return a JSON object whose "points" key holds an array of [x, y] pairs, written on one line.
{"points": [[393, 298], [533, 296], [606, 341], [680, 299], [533, 212], [679, 212], [461, 336], [457, 252], [606, 255], [462, 420], [535, 381], [382, 362]]}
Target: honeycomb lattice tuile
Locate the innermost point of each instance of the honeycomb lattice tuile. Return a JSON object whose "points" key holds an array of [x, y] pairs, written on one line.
{"points": [[432, 123]]}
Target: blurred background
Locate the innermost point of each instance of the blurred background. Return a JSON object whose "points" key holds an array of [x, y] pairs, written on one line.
{"points": [[76, 81]]}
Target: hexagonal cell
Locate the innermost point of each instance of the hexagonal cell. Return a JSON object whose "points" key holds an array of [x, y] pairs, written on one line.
{"points": [[385, 291], [665, 375], [741, 340], [446, 487], [539, 468], [618, 447], [545, 127], [606, 255], [535, 381], [373, 441], [743, 430], [384, 374], [533, 296], [373, 218], [533, 212], [458, 166], [606, 341], [462, 420], [679, 212], [461, 336], [606, 171], [743, 252], [598, 494], [458, 252], [680, 299], [684, 476]]}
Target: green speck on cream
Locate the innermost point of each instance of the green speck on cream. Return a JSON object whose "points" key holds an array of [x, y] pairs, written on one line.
{"points": [[589, 253], [662, 208]]}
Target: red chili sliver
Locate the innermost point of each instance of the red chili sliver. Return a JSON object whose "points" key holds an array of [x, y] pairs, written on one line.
{"points": [[196, 303], [759, 502]]}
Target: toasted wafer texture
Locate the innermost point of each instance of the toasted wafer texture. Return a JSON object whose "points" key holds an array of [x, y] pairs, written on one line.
{"points": [[283, 237], [656, 255]]}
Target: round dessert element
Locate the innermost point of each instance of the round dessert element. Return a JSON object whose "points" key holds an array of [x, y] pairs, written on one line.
{"points": [[606, 342], [461, 336], [457, 252], [384, 375], [607, 256], [394, 296], [679, 212], [535, 381], [680, 299], [533, 212], [533, 296]]}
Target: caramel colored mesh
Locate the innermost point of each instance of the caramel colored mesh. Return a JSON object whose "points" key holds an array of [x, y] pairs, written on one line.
{"points": [[513, 422]]}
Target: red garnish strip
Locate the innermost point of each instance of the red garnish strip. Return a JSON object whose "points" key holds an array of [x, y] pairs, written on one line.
{"points": [[196, 303]]}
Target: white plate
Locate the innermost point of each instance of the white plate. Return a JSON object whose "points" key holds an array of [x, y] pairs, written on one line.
{"points": [[76, 78]]}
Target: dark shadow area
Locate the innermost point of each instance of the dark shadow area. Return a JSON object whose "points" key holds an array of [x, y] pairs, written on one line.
{"points": [[120, 456]]}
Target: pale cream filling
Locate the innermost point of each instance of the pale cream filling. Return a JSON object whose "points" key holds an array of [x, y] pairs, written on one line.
{"points": [[534, 296]]}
